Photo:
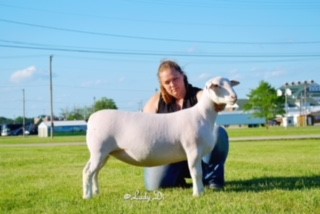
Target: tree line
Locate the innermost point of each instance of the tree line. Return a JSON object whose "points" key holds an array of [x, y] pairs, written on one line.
{"points": [[83, 113], [77, 113], [263, 102]]}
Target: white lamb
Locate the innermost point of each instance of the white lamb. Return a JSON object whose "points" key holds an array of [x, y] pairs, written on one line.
{"points": [[145, 139]]}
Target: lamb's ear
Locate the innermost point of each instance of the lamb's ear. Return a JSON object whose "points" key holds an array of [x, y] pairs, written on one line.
{"points": [[234, 82]]}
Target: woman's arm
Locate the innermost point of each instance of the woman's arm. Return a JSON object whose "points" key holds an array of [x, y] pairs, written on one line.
{"points": [[152, 104], [199, 94]]}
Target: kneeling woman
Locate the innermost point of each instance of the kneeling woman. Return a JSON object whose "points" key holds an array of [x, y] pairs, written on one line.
{"points": [[176, 94]]}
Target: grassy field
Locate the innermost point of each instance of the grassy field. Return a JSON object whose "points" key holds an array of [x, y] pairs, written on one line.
{"points": [[37, 140], [262, 177], [274, 131], [233, 132]]}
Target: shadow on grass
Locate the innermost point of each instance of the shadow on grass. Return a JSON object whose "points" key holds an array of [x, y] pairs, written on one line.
{"points": [[272, 183]]}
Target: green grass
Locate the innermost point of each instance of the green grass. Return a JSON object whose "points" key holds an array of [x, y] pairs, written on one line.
{"points": [[36, 139], [233, 132], [263, 177], [274, 131]]}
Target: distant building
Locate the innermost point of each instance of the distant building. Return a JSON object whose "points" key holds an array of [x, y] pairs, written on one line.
{"points": [[239, 118], [302, 108], [71, 127], [302, 103], [235, 116], [303, 94]]}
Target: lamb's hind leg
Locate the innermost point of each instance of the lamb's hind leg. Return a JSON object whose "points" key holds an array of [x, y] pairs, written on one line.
{"points": [[87, 181], [90, 175], [95, 183]]}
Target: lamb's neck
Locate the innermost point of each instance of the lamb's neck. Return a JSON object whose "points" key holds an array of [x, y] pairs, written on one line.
{"points": [[206, 107]]}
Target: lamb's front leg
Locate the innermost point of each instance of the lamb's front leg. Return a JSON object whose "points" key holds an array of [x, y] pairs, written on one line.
{"points": [[195, 168]]}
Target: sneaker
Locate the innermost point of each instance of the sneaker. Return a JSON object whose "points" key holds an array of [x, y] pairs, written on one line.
{"points": [[216, 185]]}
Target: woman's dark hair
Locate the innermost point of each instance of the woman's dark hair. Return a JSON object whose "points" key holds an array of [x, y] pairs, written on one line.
{"points": [[168, 64]]}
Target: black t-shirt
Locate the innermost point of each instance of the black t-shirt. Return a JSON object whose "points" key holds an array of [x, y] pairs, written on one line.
{"points": [[177, 172], [189, 101]]}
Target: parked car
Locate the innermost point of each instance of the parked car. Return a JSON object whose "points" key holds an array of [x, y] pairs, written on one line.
{"points": [[6, 129], [17, 129]]}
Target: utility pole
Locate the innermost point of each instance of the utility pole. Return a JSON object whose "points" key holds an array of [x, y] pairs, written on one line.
{"points": [[51, 98], [140, 108], [305, 98], [94, 105], [24, 113]]}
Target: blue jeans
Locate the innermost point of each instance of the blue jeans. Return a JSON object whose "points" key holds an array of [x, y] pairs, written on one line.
{"points": [[174, 175]]}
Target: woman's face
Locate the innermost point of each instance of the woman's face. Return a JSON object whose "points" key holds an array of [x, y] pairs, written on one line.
{"points": [[173, 82]]}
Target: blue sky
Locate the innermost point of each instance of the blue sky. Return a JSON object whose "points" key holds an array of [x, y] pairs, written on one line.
{"points": [[113, 48]]}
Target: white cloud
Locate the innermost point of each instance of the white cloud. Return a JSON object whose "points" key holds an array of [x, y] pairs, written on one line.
{"points": [[204, 76], [192, 50], [122, 80], [276, 73], [235, 75], [93, 83], [23, 75]]}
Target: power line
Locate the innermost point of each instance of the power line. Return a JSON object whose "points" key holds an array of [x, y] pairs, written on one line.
{"points": [[174, 22], [36, 45], [166, 54], [236, 4], [155, 38], [22, 56], [247, 4]]}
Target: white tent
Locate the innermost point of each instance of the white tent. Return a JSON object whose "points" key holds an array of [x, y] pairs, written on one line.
{"points": [[66, 127]]}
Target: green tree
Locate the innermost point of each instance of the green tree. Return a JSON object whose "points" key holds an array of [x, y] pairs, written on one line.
{"points": [[83, 113], [104, 103], [19, 120], [4, 120], [264, 102], [78, 113]]}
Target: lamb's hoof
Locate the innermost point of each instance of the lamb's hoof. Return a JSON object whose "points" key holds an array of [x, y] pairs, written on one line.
{"points": [[198, 194], [86, 197]]}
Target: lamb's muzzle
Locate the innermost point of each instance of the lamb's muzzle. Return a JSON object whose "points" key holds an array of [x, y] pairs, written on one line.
{"points": [[144, 139]]}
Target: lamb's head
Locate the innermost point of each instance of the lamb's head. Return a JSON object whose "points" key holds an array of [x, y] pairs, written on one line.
{"points": [[220, 91]]}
